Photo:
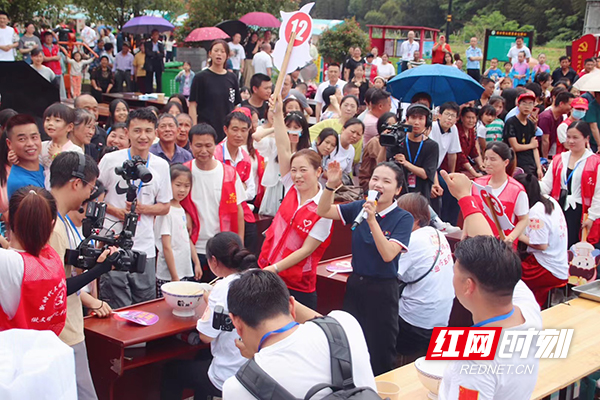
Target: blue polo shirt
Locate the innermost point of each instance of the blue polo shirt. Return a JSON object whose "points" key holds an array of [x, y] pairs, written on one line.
{"points": [[20, 177], [180, 156], [396, 225], [473, 52]]}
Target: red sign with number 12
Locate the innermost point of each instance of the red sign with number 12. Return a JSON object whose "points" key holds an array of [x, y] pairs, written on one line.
{"points": [[302, 24]]}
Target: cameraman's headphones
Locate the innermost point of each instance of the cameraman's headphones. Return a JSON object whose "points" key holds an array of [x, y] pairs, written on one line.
{"points": [[80, 171], [428, 120]]}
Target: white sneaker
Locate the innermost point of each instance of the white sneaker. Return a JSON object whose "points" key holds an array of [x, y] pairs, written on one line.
{"points": [[444, 227]]}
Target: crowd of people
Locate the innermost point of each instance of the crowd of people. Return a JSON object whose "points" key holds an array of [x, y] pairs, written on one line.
{"points": [[218, 155]]}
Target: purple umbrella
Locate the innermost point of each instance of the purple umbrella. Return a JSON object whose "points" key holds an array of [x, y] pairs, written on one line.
{"points": [[262, 19], [146, 24]]}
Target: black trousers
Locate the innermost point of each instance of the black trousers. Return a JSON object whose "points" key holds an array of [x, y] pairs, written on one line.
{"points": [[412, 340], [573, 219], [307, 299], [120, 77], [156, 71], [374, 303], [187, 374], [475, 74], [251, 237]]}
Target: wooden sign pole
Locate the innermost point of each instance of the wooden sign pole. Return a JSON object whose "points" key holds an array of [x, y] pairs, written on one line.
{"points": [[284, 65], [488, 201]]}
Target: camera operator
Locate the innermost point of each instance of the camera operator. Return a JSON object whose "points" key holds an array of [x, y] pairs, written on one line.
{"points": [[120, 288], [417, 155], [227, 258], [73, 180]]}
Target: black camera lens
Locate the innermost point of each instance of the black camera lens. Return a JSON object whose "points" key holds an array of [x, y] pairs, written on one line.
{"points": [[144, 173]]}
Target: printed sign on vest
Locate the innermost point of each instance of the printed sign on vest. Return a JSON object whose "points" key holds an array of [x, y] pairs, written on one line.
{"points": [[486, 194]]}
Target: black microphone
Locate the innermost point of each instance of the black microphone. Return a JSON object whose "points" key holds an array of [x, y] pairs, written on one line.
{"points": [[373, 196]]}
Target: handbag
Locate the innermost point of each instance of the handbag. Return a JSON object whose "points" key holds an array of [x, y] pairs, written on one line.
{"points": [[403, 285]]}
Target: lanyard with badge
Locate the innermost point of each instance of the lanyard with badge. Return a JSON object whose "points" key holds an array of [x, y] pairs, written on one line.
{"points": [[280, 330], [495, 319], [412, 178]]}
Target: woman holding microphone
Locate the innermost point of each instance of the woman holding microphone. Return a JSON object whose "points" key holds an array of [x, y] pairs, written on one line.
{"points": [[372, 292]]}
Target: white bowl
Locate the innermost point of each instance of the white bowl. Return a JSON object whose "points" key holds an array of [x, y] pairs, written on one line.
{"points": [[430, 374], [184, 296]]}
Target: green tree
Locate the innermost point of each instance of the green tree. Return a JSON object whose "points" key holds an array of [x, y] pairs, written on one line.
{"points": [[334, 42], [494, 20], [118, 12], [329, 9], [25, 10]]}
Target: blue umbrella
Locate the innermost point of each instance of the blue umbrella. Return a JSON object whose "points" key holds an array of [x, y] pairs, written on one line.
{"points": [[443, 83]]}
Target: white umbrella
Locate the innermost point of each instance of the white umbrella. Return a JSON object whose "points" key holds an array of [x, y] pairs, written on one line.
{"points": [[589, 82]]}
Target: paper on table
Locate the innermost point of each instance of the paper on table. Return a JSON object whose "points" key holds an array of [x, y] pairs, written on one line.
{"points": [[139, 317]]}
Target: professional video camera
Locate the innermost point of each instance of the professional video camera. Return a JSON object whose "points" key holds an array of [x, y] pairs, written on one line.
{"points": [[86, 254], [396, 136]]}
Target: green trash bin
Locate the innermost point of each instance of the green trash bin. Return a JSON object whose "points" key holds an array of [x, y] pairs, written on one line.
{"points": [[171, 87]]}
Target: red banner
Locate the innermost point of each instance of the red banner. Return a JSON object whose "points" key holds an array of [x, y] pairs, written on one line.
{"points": [[583, 48]]}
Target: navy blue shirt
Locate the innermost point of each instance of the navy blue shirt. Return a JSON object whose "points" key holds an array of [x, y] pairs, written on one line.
{"points": [[181, 155], [396, 225]]}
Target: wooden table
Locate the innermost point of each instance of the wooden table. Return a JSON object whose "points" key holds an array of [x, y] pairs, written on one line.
{"points": [[554, 374], [120, 373], [133, 99]]}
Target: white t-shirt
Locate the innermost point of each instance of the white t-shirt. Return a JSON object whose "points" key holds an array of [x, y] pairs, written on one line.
{"points": [[251, 181], [89, 36], [551, 230], [345, 157], [227, 358], [239, 55], [174, 225], [448, 142], [12, 269], [268, 149], [513, 53], [7, 37], [206, 195], [427, 303], [322, 228], [261, 62], [302, 360], [481, 130], [324, 85], [158, 190], [386, 70], [499, 386]]}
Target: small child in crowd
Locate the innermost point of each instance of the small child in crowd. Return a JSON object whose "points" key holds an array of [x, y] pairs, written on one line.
{"points": [[520, 71], [77, 65], [175, 249], [185, 78], [493, 72], [489, 128], [58, 124]]}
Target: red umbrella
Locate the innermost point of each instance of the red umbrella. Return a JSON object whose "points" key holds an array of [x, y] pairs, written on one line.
{"points": [[262, 19], [205, 34]]}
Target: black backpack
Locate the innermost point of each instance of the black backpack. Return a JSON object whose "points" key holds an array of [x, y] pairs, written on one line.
{"points": [[263, 387]]}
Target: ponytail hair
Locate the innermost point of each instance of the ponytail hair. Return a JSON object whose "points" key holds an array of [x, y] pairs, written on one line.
{"points": [[31, 215], [227, 248], [534, 193]]}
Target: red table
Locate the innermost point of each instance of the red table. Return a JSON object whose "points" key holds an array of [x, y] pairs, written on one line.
{"points": [[122, 373]]}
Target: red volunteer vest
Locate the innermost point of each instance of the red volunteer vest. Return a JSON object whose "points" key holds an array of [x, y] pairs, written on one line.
{"points": [[588, 187], [53, 65], [560, 148], [287, 233], [508, 197], [260, 190], [228, 211], [43, 304], [243, 169]]}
